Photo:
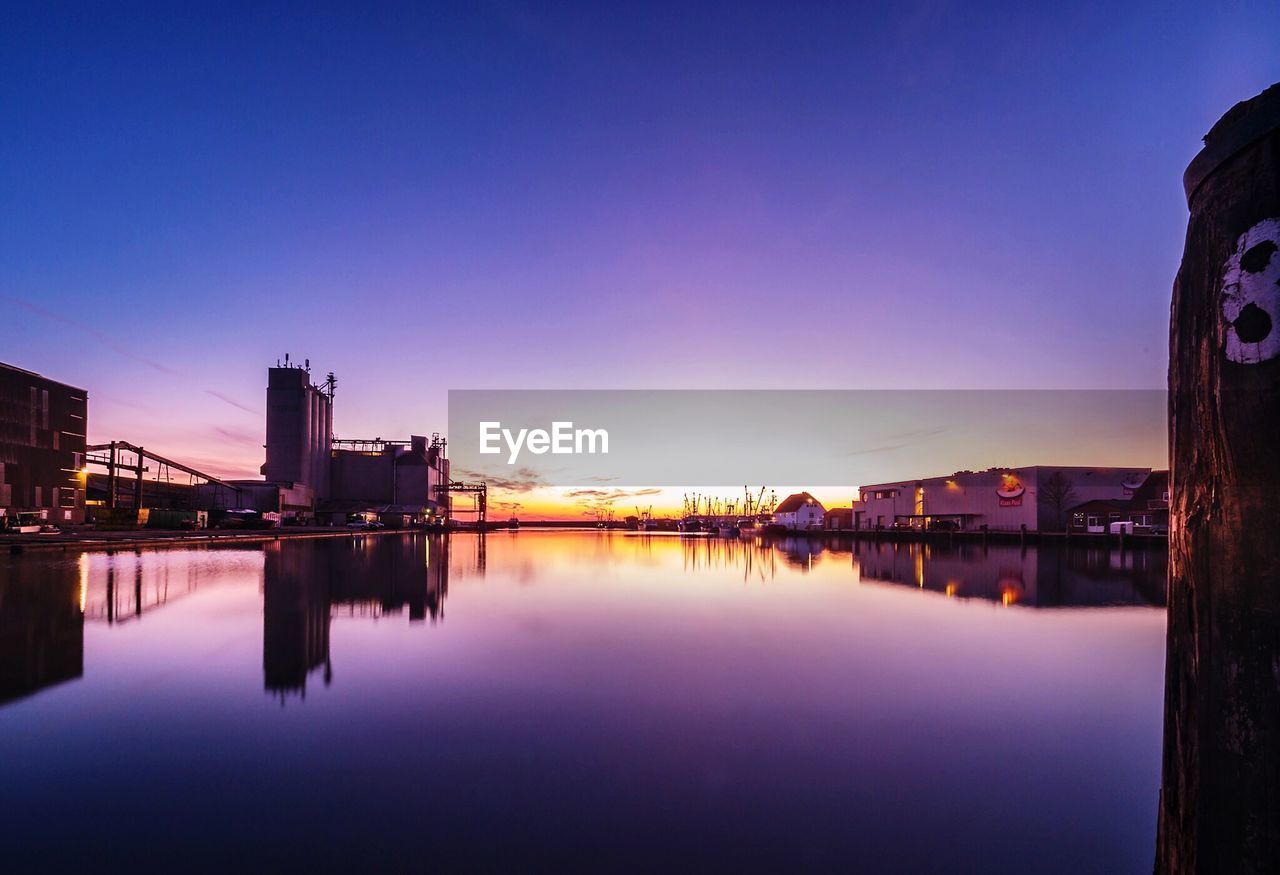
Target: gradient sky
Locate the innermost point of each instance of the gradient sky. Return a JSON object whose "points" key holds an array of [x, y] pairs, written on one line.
{"points": [[594, 195]]}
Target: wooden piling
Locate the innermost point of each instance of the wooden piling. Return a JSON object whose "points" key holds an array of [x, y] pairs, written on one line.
{"points": [[1220, 796]]}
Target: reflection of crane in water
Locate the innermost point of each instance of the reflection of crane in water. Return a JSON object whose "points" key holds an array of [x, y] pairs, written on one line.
{"points": [[756, 558], [120, 586]]}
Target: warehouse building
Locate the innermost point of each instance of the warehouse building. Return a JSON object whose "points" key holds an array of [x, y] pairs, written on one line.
{"points": [[1036, 497], [42, 446], [403, 482]]}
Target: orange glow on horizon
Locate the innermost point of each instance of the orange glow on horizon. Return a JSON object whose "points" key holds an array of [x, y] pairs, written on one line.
{"points": [[577, 503]]}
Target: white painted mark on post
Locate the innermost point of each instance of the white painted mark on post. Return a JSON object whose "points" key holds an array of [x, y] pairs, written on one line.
{"points": [[1251, 296]]}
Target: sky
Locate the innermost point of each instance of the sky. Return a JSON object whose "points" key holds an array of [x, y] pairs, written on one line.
{"points": [[514, 195]]}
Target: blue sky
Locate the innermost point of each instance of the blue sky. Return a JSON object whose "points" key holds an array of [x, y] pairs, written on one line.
{"points": [[685, 195]]}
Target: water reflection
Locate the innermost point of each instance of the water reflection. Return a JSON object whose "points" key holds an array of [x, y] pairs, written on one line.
{"points": [[305, 583], [120, 587], [41, 629], [786, 704], [45, 601], [1051, 575]]}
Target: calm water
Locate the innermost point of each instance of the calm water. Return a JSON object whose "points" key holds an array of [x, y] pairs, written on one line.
{"points": [[563, 699]]}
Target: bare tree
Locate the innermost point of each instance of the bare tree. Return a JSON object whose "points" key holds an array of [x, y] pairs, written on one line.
{"points": [[1058, 492]]}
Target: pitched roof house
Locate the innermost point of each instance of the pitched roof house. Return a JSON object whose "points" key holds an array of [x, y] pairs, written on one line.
{"points": [[1147, 506], [799, 511]]}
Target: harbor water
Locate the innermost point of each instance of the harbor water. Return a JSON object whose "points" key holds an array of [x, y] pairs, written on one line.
{"points": [[582, 699]]}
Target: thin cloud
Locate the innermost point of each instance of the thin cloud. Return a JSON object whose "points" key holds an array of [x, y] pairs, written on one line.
{"points": [[100, 336], [521, 480], [905, 439], [233, 402], [605, 495], [236, 435], [124, 352]]}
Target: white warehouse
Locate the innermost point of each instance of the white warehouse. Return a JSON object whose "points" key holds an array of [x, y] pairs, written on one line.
{"points": [[1002, 499], [799, 512]]}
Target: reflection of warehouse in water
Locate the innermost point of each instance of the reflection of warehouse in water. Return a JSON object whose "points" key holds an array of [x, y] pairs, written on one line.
{"points": [[41, 627], [1050, 575]]}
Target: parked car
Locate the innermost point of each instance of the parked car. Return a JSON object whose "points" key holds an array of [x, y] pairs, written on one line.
{"points": [[359, 522], [944, 526]]}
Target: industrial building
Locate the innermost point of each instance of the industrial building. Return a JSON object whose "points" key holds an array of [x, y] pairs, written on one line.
{"points": [[309, 475], [42, 447], [1037, 498]]}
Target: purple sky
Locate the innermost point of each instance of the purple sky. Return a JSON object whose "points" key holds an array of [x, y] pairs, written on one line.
{"points": [[544, 195]]}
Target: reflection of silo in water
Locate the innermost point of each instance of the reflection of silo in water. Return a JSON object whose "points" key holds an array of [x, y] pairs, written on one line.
{"points": [[41, 626], [295, 611]]}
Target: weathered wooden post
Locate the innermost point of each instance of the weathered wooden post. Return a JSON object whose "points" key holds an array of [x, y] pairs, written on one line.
{"points": [[1220, 796]]}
